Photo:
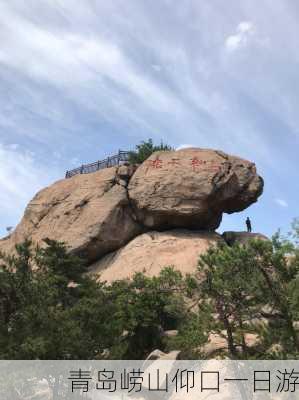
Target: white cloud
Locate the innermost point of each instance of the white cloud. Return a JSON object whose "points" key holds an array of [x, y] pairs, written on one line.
{"points": [[185, 146], [20, 178], [281, 202], [241, 38], [71, 59], [105, 71], [111, 70], [245, 26]]}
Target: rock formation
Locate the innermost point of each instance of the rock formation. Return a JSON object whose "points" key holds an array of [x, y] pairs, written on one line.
{"points": [[152, 251], [97, 214], [90, 213], [231, 237], [191, 188]]}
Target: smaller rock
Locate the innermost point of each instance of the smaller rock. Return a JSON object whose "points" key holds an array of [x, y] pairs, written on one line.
{"points": [[231, 237], [72, 284], [275, 348], [252, 339], [105, 354], [170, 333], [215, 343], [160, 355], [125, 171]]}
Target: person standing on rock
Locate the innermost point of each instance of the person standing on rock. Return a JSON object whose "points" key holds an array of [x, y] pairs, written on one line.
{"points": [[248, 224]]}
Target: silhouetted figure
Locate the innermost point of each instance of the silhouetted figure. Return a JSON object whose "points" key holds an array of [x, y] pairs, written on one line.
{"points": [[248, 224]]}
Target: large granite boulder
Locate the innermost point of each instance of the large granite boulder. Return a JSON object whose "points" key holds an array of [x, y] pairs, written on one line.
{"points": [[192, 188], [98, 213], [152, 251], [90, 213]]}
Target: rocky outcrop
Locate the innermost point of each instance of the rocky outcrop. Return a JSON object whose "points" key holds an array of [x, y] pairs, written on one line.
{"points": [[90, 213], [192, 188], [152, 251], [97, 214], [231, 237]]}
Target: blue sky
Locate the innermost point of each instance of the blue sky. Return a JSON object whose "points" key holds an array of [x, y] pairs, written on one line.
{"points": [[80, 80]]}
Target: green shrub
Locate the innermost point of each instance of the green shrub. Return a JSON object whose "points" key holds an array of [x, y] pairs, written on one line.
{"points": [[145, 149]]}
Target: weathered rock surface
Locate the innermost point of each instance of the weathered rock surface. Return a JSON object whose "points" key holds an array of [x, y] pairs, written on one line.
{"points": [[91, 213], [192, 188], [152, 251], [231, 237]]}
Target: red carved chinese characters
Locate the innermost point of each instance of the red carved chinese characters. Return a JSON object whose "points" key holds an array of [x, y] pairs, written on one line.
{"points": [[195, 162], [157, 163], [209, 166]]}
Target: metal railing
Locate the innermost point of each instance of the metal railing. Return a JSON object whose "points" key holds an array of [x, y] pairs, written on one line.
{"points": [[112, 161]]}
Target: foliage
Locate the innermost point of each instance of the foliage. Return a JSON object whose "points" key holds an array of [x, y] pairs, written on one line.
{"points": [[145, 149], [233, 285], [254, 283], [145, 308], [42, 315], [49, 309], [192, 334]]}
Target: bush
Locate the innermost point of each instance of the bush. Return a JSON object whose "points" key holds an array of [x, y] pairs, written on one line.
{"points": [[255, 282], [56, 311], [50, 309], [145, 149]]}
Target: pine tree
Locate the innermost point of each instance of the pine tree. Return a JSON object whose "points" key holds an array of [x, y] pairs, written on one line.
{"points": [[145, 149]]}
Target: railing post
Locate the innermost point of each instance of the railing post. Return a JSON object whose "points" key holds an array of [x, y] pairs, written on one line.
{"points": [[108, 162]]}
